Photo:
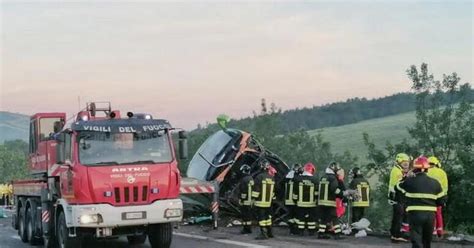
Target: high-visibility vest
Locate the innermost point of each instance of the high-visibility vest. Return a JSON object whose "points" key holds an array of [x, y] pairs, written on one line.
{"points": [[289, 193], [306, 191], [395, 176], [263, 190], [328, 190], [362, 186], [246, 191], [440, 175]]}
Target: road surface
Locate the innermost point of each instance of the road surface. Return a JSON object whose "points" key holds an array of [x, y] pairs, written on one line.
{"points": [[197, 237]]}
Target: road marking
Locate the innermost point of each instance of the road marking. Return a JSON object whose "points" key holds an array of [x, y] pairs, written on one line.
{"points": [[15, 237], [224, 241]]}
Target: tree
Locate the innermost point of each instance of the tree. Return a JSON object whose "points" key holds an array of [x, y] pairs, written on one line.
{"points": [[444, 128], [13, 161]]}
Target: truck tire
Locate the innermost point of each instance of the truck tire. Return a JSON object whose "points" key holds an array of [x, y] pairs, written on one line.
{"points": [[136, 239], [64, 241], [30, 226], [22, 224], [160, 235]]}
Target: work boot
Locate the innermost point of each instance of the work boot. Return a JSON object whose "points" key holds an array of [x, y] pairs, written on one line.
{"points": [[311, 232], [323, 236], [246, 230], [270, 232], [263, 234]]}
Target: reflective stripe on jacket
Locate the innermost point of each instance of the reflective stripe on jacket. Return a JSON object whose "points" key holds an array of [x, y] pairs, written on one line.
{"points": [[328, 190], [245, 189], [263, 190], [306, 191], [422, 193], [362, 186]]}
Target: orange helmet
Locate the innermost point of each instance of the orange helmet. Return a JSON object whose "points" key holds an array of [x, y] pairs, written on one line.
{"points": [[310, 168], [421, 163], [271, 171]]}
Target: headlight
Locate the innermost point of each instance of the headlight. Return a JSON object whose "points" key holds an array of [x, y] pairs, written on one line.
{"points": [[172, 212], [90, 218]]}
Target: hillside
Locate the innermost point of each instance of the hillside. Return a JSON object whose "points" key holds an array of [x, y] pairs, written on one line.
{"points": [[13, 126], [349, 137]]}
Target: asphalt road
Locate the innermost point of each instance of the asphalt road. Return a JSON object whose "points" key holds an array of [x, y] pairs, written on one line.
{"points": [[10, 239], [202, 236]]}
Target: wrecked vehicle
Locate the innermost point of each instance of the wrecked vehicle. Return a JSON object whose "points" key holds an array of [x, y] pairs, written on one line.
{"points": [[220, 157]]}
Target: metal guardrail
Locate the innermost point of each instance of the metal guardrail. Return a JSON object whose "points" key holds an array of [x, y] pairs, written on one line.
{"points": [[195, 186]]}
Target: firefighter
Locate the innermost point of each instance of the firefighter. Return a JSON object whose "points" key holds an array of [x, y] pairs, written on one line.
{"points": [[361, 185], [402, 163], [423, 195], [263, 194], [290, 178], [306, 194], [329, 189], [439, 174], [245, 190]]}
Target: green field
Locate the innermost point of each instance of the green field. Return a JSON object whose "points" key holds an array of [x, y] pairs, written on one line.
{"points": [[349, 137]]}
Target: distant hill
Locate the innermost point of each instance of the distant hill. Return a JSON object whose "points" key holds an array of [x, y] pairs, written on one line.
{"points": [[13, 126], [349, 137]]}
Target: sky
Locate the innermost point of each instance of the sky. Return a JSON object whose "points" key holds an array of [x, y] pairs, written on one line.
{"points": [[190, 61]]}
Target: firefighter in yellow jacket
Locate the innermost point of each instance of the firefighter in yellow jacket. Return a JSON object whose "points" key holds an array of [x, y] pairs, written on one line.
{"points": [[439, 174], [402, 163], [263, 194], [305, 196], [245, 189]]}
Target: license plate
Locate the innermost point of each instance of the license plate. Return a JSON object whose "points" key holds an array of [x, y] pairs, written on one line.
{"points": [[133, 215]]}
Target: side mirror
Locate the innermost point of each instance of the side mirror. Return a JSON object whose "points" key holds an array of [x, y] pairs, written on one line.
{"points": [[183, 145], [60, 148]]}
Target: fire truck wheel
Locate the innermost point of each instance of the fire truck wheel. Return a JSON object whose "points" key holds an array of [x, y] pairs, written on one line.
{"points": [[22, 224], [64, 241], [136, 239], [30, 226], [160, 235]]}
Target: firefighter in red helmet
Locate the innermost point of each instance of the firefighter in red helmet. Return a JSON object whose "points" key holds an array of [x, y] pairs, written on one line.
{"points": [[423, 194]]}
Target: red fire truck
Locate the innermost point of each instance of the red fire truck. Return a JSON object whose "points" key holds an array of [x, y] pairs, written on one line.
{"points": [[100, 176]]}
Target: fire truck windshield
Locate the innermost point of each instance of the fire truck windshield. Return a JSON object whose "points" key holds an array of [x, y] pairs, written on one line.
{"points": [[108, 148]]}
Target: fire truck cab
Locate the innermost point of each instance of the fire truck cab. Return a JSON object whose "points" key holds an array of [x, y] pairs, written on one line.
{"points": [[100, 177]]}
